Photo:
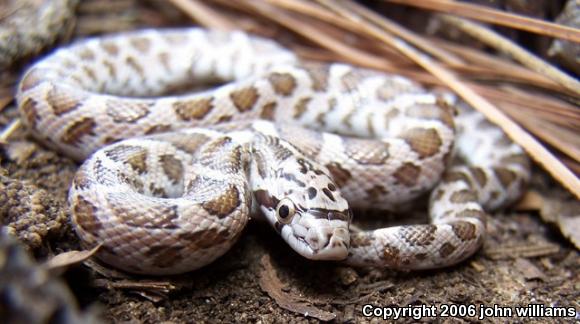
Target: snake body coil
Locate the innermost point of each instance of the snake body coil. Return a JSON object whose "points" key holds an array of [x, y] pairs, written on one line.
{"points": [[173, 179]]}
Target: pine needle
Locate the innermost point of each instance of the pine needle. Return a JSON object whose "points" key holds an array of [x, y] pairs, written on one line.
{"points": [[506, 46], [497, 17]]}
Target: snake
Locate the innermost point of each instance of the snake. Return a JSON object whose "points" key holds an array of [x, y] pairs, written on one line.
{"points": [[186, 134]]}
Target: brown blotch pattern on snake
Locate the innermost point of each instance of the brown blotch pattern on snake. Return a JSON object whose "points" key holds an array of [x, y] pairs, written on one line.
{"points": [[301, 107], [223, 205], [283, 83], [189, 144], [456, 176], [391, 255], [479, 175], [391, 89], [505, 176], [407, 174], [520, 159], [464, 230], [207, 156], [90, 73], [265, 199], [360, 241], [319, 74], [346, 120], [425, 141], [165, 256], [244, 99], [193, 108], [87, 55], [164, 59], [463, 196], [351, 79], [134, 156], [81, 180], [111, 69], [268, 111], [74, 133], [84, 214], [30, 110], [207, 238], [161, 128], [132, 63], [62, 102], [377, 192], [110, 48], [339, 174], [431, 112], [446, 249], [138, 161], [172, 167], [224, 118]]}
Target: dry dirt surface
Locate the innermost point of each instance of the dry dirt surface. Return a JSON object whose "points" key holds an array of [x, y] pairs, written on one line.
{"points": [[524, 261]]}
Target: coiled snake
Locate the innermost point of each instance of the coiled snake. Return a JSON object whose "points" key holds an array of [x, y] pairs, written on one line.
{"points": [[298, 143]]}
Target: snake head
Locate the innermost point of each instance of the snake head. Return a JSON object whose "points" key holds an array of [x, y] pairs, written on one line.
{"points": [[305, 206]]}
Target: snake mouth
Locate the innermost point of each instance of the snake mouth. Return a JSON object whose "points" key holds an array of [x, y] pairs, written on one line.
{"points": [[320, 213], [322, 243]]}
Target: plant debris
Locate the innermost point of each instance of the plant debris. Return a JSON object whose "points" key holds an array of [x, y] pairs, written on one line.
{"points": [[272, 285]]}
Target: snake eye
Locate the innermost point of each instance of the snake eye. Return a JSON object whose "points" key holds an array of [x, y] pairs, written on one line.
{"points": [[285, 210]]}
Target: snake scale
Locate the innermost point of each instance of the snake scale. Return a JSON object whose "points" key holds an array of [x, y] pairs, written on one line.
{"points": [[170, 179]]}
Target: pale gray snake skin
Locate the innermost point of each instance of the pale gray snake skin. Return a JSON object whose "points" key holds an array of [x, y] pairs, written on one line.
{"points": [[298, 144]]}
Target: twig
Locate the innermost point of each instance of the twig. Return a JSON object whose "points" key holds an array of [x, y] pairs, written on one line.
{"points": [[314, 34], [9, 130], [504, 45], [481, 59], [540, 107], [308, 8], [548, 132], [529, 250], [203, 14], [496, 17], [405, 34]]}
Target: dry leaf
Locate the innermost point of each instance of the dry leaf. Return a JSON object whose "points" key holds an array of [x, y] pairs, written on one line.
{"points": [[565, 215], [271, 284], [69, 258]]}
